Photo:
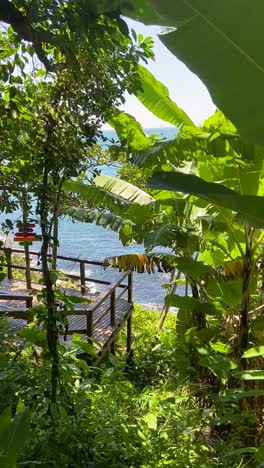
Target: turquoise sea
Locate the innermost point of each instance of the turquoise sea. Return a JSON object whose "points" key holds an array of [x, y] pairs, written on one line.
{"points": [[93, 242]]}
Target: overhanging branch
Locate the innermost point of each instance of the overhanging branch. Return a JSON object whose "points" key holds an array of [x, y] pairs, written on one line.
{"points": [[21, 25]]}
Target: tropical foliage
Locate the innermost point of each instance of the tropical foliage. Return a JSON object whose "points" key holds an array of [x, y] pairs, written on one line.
{"points": [[191, 396]]}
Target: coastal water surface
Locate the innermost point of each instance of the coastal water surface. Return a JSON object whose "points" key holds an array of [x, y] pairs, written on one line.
{"points": [[93, 242]]}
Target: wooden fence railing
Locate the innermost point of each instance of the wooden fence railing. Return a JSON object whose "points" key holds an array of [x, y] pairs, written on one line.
{"points": [[81, 277], [106, 300]]}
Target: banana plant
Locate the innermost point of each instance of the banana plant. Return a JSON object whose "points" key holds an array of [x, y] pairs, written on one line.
{"points": [[115, 204], [14, 435], [225, 190], [233, 68]]}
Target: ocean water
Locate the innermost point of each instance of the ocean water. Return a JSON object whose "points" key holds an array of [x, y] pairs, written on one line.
{"points": [[85, 240]]}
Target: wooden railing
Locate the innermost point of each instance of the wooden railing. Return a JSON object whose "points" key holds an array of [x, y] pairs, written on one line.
{"points": [[81, 277], [101, 299], [90, 309]]}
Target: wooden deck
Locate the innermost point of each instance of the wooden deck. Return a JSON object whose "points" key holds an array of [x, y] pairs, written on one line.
{"points": [[102, 319]]}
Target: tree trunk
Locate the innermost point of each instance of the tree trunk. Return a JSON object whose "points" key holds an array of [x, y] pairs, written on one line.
{"points": [[48, 291], [25, 209], [199, 319], [52, 332], [248, 265], [166, 308], [55, 232]]}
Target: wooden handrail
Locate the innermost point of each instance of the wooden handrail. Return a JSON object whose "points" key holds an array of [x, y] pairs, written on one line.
{"points": [[88, 310], [112, 308], [80, 277], [69, 275], [9, 296], [61, 257], [105, 294]]}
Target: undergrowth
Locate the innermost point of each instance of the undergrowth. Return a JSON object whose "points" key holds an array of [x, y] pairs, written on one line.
{"points": [[133, 412]]}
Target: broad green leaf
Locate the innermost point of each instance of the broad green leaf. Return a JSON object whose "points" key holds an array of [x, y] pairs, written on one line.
{"points": [[83, 345], [251, 207], [141, 10], [80, 214], [234, 67], [186, 265], [207, 334], [183, 148], [214, 258], [124, 190], [253, 352], [105, 219], [250, 375], [130, 132], [151, 420], [155, 97], [193, 267], [35, 336], [95, 195], [189, 303], [227, 291], [158, 154], [14, 438], [240, 451], [258, 324], [182, 302], [122, 198], [222, 348], [79, 300], [219, 365], [171, 234], [235, 394], [5, 420]]}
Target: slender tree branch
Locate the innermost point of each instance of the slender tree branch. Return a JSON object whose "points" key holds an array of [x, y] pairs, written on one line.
{"points": [[21, 25]]}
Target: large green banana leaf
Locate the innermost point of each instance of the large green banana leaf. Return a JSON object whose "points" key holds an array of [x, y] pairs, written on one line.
{"points": [[170, 235], [106, 219], [250, 207], [222, 43], [130, 131], [93, 195], [124, 189], [155, 97], [116, 195], [109, 190]]}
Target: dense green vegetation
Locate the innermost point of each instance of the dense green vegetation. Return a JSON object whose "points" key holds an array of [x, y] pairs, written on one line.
{"points": [[192, 393], [137, 414]]}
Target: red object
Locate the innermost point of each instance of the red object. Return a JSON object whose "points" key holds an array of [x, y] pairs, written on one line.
{"points": [[25, 234], [24, 239]]}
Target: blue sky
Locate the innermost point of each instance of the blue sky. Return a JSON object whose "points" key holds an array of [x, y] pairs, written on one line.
{"points": [[184, 87]]}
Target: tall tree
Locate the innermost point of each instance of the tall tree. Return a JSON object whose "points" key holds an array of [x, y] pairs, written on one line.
{"points": [[52, 117]]}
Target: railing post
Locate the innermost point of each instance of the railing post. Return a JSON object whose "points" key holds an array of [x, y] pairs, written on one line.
{"points": [[9, 267], [129, 320], [29, 302], [90, 324], [82, 276], [112, 316], [130, 288], [129, 334], [112, 308], [28, 272]]}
